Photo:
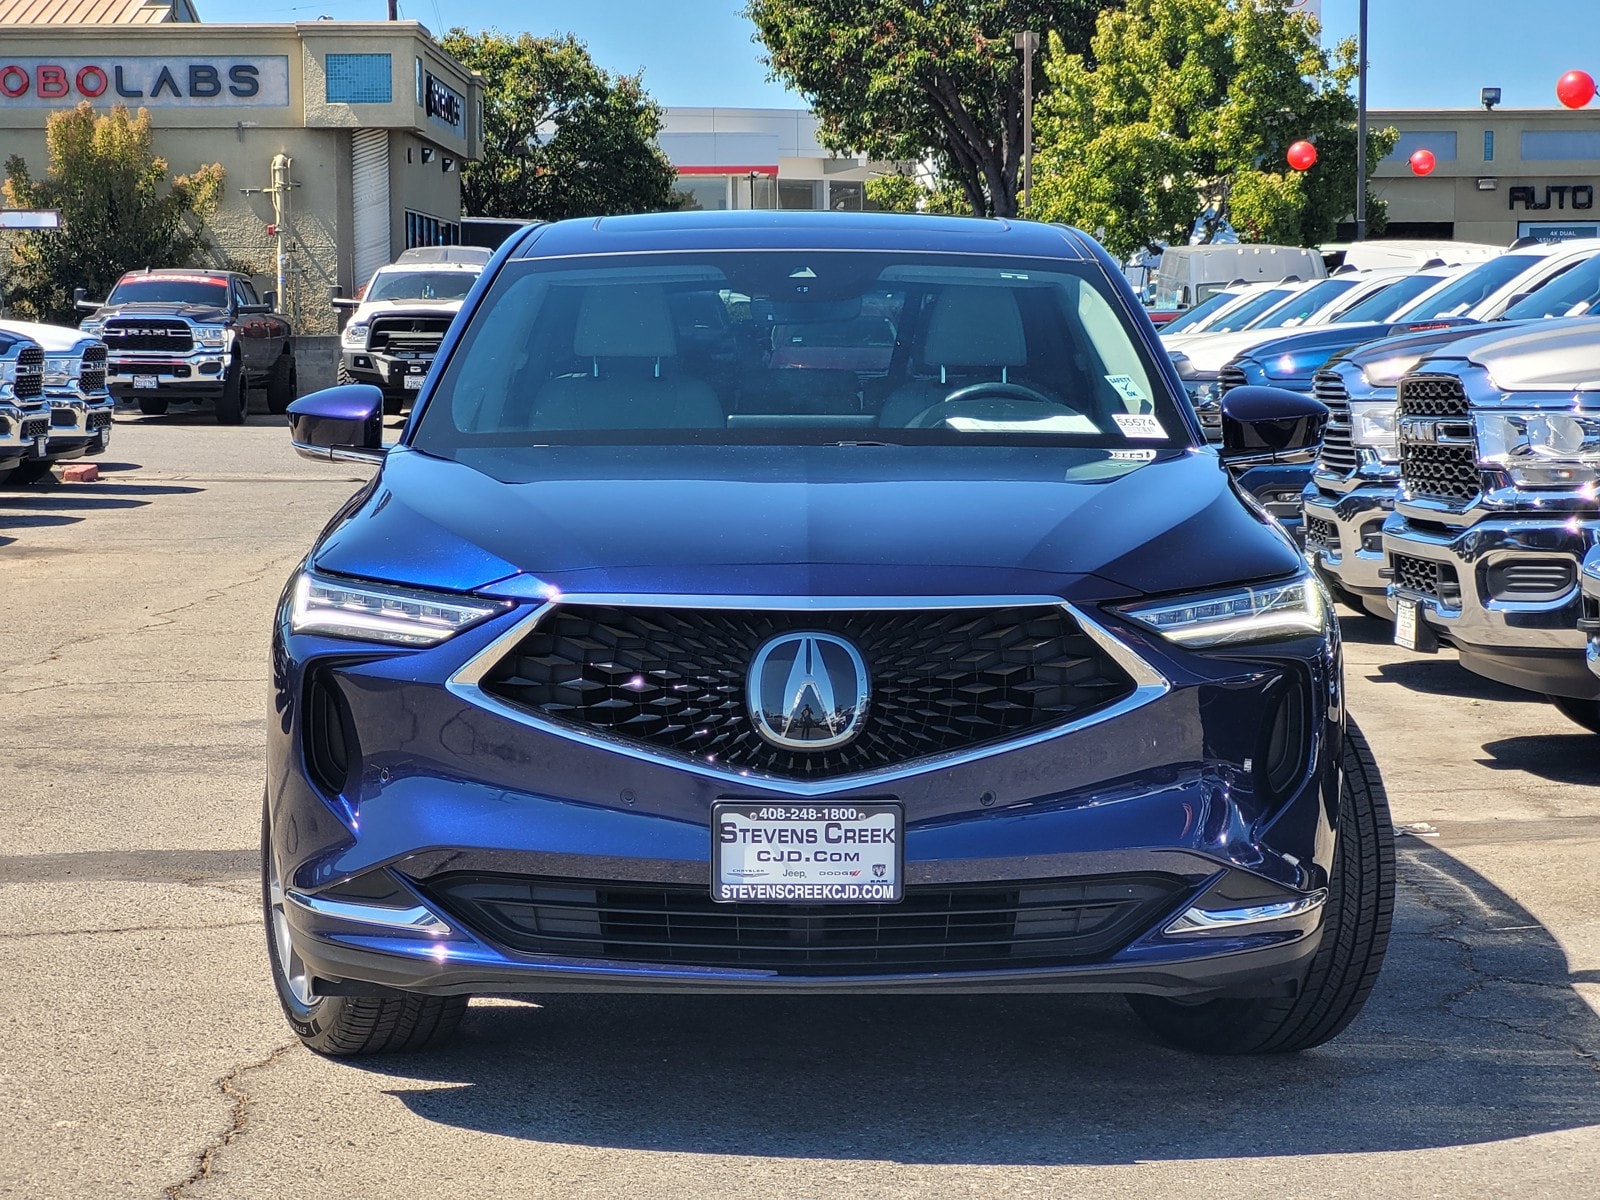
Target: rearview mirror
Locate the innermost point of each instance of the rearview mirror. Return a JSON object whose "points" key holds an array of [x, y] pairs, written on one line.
{"points": [[339, 424], [1270, 425]]}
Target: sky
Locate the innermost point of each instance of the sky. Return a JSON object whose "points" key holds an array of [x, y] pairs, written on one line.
{"points": [[1421, 53]]}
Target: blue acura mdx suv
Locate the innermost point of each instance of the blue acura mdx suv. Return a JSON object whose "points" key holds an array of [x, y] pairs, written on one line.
{"points": [[768, 602]]}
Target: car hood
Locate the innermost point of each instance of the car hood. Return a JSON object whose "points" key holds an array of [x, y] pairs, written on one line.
{"points": [[378, 308], [820, 521], [194, 312], [55, 339], [1328, 340], [1209, 352], [1555, 355], [1418, 344]]}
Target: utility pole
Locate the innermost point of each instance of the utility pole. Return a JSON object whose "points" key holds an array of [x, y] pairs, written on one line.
{"points": [[394, 10], [1028, 43], [1361, 124]]}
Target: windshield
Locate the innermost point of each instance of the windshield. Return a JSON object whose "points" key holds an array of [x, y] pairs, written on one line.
{"points": [[421, 285], [1237, 318], [797, 347], [171, 289], [1200, 312], [1383, 305], [1472, 289], [1305, 304], [1573, 294]]}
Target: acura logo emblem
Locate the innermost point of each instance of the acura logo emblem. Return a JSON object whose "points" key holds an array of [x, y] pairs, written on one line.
{"points": [[808, 691]]}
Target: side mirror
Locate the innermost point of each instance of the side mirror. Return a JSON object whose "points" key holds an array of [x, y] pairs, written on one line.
{"points": [[255, 308], [344, 302], [81, 301], [339, 424], [269, 301], [1270, 425]]}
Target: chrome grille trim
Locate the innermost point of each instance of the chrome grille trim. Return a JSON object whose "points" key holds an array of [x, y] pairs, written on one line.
{"points": [[1338, 449]]}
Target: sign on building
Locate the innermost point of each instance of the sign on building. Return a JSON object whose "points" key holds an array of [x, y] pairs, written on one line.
{"points": [[150, 81]]}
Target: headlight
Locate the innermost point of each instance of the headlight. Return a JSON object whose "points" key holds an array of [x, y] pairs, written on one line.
{"points": [[1541, 449], [212, 336], [1386, 372], [354, 336], [1257, 613], [373, 612], [1374, 425], [60, 369]]}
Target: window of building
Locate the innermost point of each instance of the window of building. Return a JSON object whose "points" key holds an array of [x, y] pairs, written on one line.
{"points": [[799, 195], [423, 230], [1488, 145], [709, 192], [359, 79], [1441, 142], [845, 196], [1560, 145]]}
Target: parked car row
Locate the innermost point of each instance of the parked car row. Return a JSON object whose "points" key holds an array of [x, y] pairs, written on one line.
{"points": [[1457, 491], [54, 405]]}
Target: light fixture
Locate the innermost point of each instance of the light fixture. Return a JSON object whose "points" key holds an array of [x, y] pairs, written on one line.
{"points": [[1487, 183], [427, 154], [448, 163], [1490, 97]]}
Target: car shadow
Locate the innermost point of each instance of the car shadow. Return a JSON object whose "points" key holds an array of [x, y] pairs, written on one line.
{"points": [[1442, 675], [30, 520], [1475, 1003], [1557, 757]]}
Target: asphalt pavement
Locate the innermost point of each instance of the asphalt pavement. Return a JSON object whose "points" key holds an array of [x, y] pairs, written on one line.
{"points": [[144, 1053]]}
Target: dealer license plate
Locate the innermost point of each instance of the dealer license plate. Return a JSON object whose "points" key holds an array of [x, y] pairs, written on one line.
{"points": [[104, 434], [807, 853], [1405, 624], [146, 382], [413, 383], [41, 446]]}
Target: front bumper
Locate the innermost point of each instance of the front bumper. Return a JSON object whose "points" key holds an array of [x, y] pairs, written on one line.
{"points": [[446, 787], [24, 431], [1344, 532], [396, 375], [79, 425], [197, 375], [1533, 644]]}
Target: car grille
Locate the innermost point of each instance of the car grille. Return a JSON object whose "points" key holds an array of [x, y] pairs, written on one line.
{"points": [[977, 927], [28, 382], [1229, 378], [1424, 577], [99, 420], [148, 334], [92, 373], [1432, 396], [1322, 535], [1338, 452], [1448, 473], [407, 335], [1547, 579], [941, 680], [35, 427]]}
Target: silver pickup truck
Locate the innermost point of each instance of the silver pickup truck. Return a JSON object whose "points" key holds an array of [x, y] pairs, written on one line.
{"points": [[24, 413], [1499, 440], [81, 406]]}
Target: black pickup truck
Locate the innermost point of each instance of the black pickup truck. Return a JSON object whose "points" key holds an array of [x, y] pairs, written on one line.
{"points": [[190, 334]]}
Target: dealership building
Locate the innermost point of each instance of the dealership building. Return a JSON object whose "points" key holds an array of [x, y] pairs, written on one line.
{"points": [[342, 142], [1498, 175]]}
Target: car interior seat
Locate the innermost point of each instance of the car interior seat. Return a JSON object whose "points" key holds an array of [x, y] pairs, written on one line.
{"points": [[974, 335], [627, 337]]}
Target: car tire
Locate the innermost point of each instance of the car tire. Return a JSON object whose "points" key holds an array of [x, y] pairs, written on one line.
{"points": [[342, 374], [234, 403], [282, 385], [152, 406], [26, 473], [1584, 712], [343, 1026], [1355, 934], [393, 406]]}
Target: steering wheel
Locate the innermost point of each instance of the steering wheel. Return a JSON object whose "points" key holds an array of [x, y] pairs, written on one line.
{"points": [[979, 395]]}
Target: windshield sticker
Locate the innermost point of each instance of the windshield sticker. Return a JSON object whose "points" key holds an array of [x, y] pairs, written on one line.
{"points": [[1065, 423], [1129, 390], [1132, 455], [1138, 425]]}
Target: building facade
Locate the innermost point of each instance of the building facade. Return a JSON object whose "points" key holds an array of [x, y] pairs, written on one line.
{"points": [[342, 142], [1499, 175], [762, 158]]}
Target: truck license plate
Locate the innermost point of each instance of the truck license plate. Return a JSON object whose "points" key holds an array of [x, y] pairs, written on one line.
{"points": [[147, 382], [40, 446], [413, 383], [1405, 624], [801, 853]]}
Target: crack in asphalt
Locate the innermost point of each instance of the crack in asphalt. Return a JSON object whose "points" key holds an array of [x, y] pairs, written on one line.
{"points": [[1446, 932], [238, 1118], [44, 933]]}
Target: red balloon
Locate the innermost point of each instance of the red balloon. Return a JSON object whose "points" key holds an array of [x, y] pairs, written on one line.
{"points": [[1575, 89], [1302, 156], [1422, 162]]}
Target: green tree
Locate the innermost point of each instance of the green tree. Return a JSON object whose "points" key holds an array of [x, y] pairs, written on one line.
{"points": [[920, 80], [901, 192], [561, 137], [118, 211], [1184, 106]]}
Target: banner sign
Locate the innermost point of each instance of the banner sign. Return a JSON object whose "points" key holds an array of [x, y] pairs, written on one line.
{"points": [[150, 81]]}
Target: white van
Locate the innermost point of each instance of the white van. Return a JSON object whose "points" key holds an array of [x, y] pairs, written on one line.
{"points": [[1402, 252], [1188, 274]]}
